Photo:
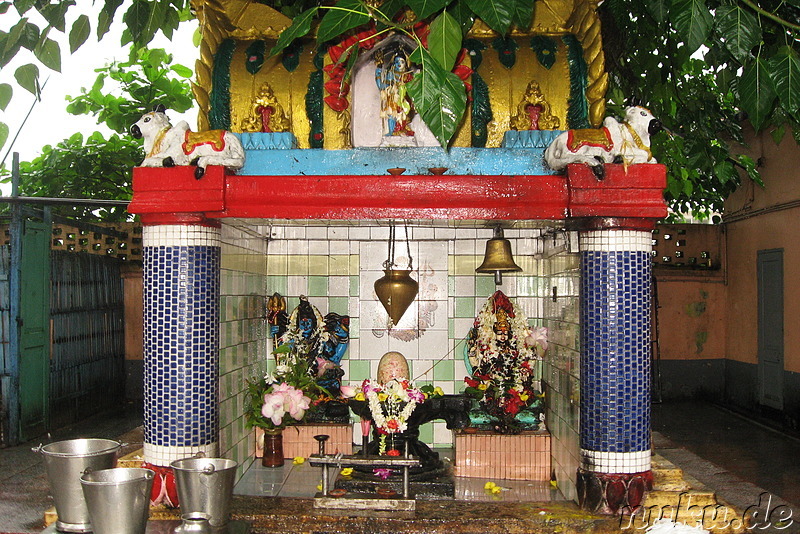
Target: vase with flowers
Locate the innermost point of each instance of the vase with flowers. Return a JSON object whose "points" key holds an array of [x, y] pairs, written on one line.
{"points": [[281, 398]]}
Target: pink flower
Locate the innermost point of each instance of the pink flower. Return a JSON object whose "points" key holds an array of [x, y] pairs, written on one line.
{"points": [[323, 365], [416, 395], [348, 391], [383, 474], [538, 338], [273, 408]]}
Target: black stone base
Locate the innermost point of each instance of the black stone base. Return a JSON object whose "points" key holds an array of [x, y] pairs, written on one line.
{"points": [[440, 485]]}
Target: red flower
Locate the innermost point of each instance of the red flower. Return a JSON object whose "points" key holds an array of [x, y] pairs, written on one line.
{"points": [[336, 103], [392, 452], [470, 382], [392, 423]]}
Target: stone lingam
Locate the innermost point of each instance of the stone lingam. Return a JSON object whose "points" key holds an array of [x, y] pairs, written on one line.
{"points": [[394, 410]]}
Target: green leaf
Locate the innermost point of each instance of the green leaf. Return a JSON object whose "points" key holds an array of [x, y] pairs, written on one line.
{"points": [[55, 14], [756, 92], [389, 8], [4, 7], [444, 40], [344, 16], [522, 16], [183, 71], [6, 91], [49, 53], [23, 6], [784, 68], [497, 14], [79, 33], [693, 20], [301, 25], [106, 16], [137, 19], [27, 77], [739, 30], [14, 35], [3, 134], [425, 8], [659, 9], [463, 15], [439, 96]]}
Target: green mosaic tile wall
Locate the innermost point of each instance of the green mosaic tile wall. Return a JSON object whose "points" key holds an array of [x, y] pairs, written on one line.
{"points": [[242, 336]]}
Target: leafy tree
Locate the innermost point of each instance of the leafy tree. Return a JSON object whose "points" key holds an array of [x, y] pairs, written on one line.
{"points": [[700, 65], [143, 20], [100, 167]]}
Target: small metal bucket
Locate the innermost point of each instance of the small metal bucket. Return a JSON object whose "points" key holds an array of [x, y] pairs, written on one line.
{"points": [[65, 462], [206, 485], [118, 499]]}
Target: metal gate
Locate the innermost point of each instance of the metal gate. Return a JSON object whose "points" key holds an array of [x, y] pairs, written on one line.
{"points": [[88, 341]]}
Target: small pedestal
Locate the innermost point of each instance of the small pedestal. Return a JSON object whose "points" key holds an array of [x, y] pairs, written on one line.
{"points": [[524, 456], [298, 440]]}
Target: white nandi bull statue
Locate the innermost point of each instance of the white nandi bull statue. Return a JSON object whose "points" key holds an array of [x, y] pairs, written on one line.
{"points": [[626, 142], [167, 146]]}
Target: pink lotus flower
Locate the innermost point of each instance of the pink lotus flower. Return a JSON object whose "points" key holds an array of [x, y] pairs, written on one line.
{"points": [[273, 408], [285, 399], [348, 391], [324, 365]]}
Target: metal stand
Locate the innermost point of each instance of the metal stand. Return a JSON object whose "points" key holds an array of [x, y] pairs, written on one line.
{"points": [[368, 504]]}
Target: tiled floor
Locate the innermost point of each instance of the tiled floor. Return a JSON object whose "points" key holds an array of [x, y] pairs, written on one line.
{"points": [[303, 481]]}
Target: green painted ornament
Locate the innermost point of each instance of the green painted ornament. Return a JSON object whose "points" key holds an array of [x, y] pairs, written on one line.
{"points": [[254, 56], [545, 50]]}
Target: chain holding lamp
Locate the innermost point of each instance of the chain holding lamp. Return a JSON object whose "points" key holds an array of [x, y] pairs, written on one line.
{"points": [[396, 289], [498, 258]]}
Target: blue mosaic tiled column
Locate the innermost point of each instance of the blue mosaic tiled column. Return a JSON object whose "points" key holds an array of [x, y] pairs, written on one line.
{"points": [[615, 369], [181, 341]]}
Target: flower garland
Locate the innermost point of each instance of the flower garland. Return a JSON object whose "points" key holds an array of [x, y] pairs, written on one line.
{"points": [[391, 404]]}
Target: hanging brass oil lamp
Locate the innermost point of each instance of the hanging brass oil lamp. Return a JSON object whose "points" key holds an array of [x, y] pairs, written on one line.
{"points": [[396, 289], [498, 259]]}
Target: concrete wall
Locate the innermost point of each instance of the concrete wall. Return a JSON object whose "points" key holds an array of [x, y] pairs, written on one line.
{"points": [[708, 317]]}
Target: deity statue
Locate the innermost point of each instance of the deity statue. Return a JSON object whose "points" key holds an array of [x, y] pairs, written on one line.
{"points": [[392, 74], [502, 356], [322, 341]]}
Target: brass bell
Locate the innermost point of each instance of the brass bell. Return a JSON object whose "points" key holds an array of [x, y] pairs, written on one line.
{"points": [[498, 258], [396, 290]]}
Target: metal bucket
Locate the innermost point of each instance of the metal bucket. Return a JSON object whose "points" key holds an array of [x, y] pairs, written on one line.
{"points": [[118, 499], [65, 462], [206, 485]]}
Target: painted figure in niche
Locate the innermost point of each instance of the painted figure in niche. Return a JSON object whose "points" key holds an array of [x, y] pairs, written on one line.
{"points": [[392, 73], [502, 355], [322, 341]]}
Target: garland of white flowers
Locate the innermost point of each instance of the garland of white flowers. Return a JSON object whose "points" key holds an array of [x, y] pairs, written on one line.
{"points": [[485, 345], [394, 393]]}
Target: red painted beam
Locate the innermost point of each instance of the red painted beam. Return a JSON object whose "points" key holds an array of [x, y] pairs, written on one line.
{"points": [[410, 197], [636, 191], [632, 192]]}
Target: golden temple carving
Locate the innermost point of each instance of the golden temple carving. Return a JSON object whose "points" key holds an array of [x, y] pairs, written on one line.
{"points": [[534, 113], [266, 114]]}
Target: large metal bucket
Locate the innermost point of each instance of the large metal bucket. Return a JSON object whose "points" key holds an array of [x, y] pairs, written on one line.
{"points": [[65, 462], [206, 485], [118, 499]]}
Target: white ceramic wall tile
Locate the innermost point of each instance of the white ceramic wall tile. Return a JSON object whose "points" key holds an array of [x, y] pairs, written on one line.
{"points": [[296, 285], [432, 284], [372, 347], [339, 286], [318, 247], [339, 247], [317, 232]]}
